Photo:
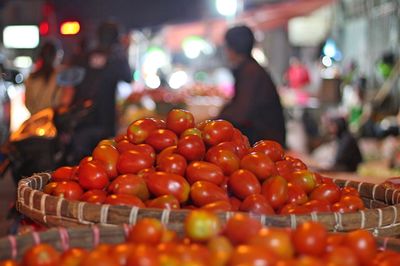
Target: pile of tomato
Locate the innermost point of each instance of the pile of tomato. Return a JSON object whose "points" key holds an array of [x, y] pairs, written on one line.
{"points": [[241, 241], [211, 165]]}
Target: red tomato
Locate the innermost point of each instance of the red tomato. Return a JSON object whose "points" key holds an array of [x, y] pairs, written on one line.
{"points": [[143, 255], [309, 261], [292, 208], [49, 187], [252, 255], [178, 120], [221, 250], [174, 163], [145, 149], [191, 132], [329, 192], [204, 171], [139, 130], [124, 145], [349, 191], [41, 255], [124, 200], [204, 192], [63, 173], [340, 255], [144, 173], [70, 190], [217, 131], [162, 183], [284, 168], [363, 245], [310, 238], [305, 179], [275, 190], [296, 194], [191, 147], [256, 203], [109, 142], [270, 148], [387, 258], [218, 206], [201, 225], [340, 207], [99, 258], [92, 175], [260, 164], [160, 139], [129, 184], [235, 203], [240, 228], [354, 203], [297, 164], [8, 262], [73, 256], [131, 162], [147, 231], [334, 240], [164, 202], [243, 183], [96, 196], [224, 158], [108, 156], [120, 137], [120, 252], [241, 141], [318, 206], [166, 152]]}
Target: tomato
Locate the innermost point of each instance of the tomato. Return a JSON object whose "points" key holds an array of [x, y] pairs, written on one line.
{"points": [[296, 163], [296, 194], [124, 200], [166, 152], [131, 162], [218, 206], [94, 196], [252, 255], [318, 206], [327, 191], [160, 139], [146, 231], [241, 142], [139, 130], [144, 173], [340, 255], [73, 257], [386, 258], [178, 120], [309, 238], [201, 225], [108, 156], [124, 145], [235, 203], [270, 148], [217, 131], [174, 164], [349, 191], [70, 190], [221, 250], [256, 203], [129, 184], [204, 171], [143, 255], [363, 245], [92, 175], [243, 183], [8, 262], [240, 228], [292, 208], [191, 132], [99, 258], [354, 203], [162, 183], [284, 168], [305, 179], [340, 207], [49, 187], [334, 240], [275, 190], [164, 202], [41, 255], [275, 239], [121, 252], [191, 147], [63, 173], [204, 192], [260, 164], [309, 261], [120, 137], [224, 158]]}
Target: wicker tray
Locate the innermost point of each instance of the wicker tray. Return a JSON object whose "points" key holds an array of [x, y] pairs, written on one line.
{"points": [[381, 217]]}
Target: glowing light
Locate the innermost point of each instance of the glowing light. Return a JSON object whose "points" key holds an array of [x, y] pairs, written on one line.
{"points": [[152, 81], [154, 59], [327, 61], [44, 28], [226, 7], [70, 28], [178, 79], [21, 37], [193, 46], [23, 62]]}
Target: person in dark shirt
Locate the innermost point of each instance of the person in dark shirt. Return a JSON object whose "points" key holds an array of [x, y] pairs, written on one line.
{"points": [[255, 109]]}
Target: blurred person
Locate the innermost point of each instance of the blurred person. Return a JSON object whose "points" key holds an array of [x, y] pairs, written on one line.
{"points": [[255, 109], [104, 67], [297, 74]]}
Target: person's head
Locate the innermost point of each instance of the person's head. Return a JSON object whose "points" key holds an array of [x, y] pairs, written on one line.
{"points": [[48, 56], [239, 42], [337, 126], [108, 34]]}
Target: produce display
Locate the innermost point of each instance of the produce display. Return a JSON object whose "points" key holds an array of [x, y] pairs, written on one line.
{"points": [[210, 165], [240, 241]]}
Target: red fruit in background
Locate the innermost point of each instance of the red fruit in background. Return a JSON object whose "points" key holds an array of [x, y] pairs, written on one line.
{"points": [[204, 192], [217, 131], [201, 225], [162, 183], [204, 171], [218, 206], [143, 255], [354, 203], [253, 255], [329, 192], [92, 175], [139, 130], [340, 255], [70, 190], [310, 238], [178, 120], [124, 200], [131, 162], [305, 179], [147, 231], [129, 184], [226, 159], [63, 173], [256, 203], [270, 148], [160, 139], [191, 147], [164, 202], [190, 132], [296, 194], [174, 163], [240, 228], [318, 205], [292, 208], [108, 156], [259, 164], [243, 183], [72, 256], [41, 254], [235, 203], [363, 244], [275, 190], [96, 196]]}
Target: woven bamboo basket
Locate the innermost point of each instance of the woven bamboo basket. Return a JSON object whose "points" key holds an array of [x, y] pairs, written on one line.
{"points": [[13, 247], [381, 216]]}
